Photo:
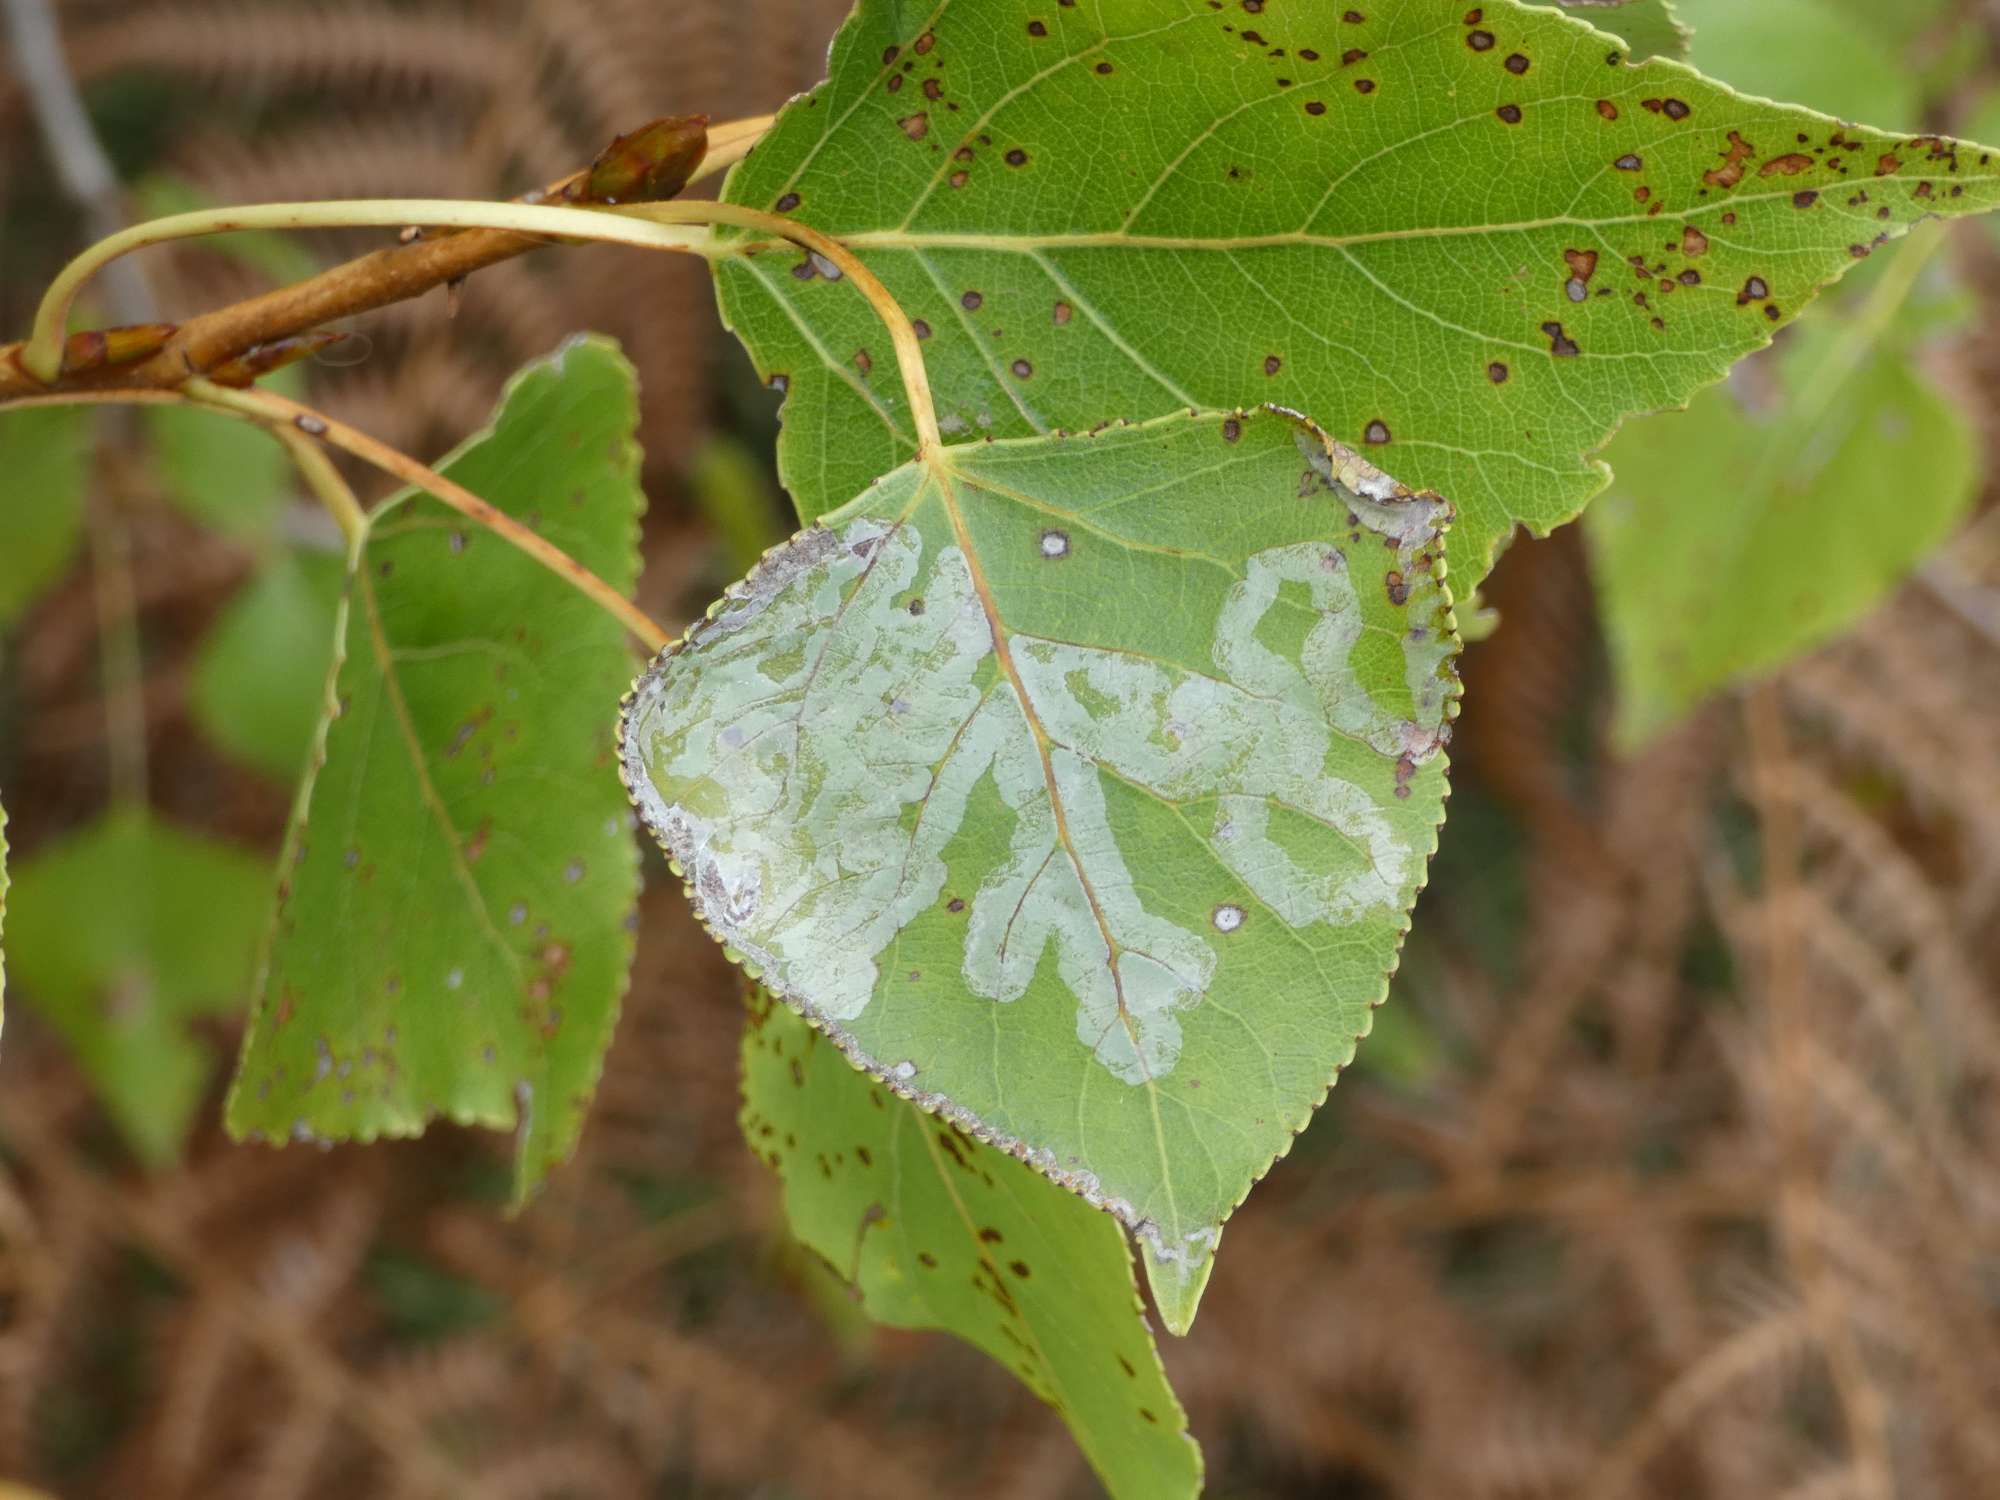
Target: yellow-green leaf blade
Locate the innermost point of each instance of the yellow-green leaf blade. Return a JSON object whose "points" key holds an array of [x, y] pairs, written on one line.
{"points": [[938, 1231], [451, 936]]}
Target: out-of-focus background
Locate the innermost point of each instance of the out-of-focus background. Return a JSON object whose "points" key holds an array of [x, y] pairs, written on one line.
{"points": [[1625, 1198]]}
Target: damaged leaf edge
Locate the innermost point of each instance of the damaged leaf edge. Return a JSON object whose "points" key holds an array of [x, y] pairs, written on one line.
{"points": [[1162, 1259]]}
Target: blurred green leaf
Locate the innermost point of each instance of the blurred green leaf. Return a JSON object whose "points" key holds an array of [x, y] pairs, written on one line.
{"points": [[119, 936], [1651, 28], [451, 935], [45, 454], [225, 473], [259, 685], [734, 493], [1828, 56], [938, 1231], [1777, 510]]}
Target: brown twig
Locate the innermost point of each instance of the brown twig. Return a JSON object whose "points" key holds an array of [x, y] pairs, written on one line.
{"points": [[214, 339]]}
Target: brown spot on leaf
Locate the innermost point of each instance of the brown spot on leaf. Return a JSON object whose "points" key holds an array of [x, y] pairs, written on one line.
{"points": [[1062, 314], [1629, 163], [1398, 590], [1677, 109], [924, 44], [1888, 163], [1022, 369], [1731, 171], [1364, 85], [787, 203], [1272, 364], [1315, 107], [1516, 64], [1017, 157], [1036, 28], [971, 301], [1480, 41], [1693, 241], [1561, 345], [1497, 373], [1607, 110], [1754, 290], [1789, 165], [1510, 113], [1377, 433], [1231, 429], [916, 126]]}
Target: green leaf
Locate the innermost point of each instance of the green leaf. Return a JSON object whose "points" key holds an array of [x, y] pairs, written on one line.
{"points": [[451, 934], [1139, 206], [45, 454], [1766, 520], [1816, 52], [225, 473], [1651, 28], [1080, 789], [939, 1231], [259, 684], [120, 936]]}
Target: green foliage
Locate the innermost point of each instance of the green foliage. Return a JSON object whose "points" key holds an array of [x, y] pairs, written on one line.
{"points": [[259, 685], [1080, 787], [120, 936], [1776, 511], [45, 454], [938, 1231], [1480, 243], [733, 492], [451, 935]]}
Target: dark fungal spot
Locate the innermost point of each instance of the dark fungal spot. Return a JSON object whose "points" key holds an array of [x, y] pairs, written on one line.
{"points": [[916, 607], [1022, 369], [889, 55], [1315, 107], [895, 82], [1474, 17], [916, 126], [924, 44], [1062, 314], [1628, 163], [1019, 1268], [1771, 311], [1754, 290], [1377, 434], [933, 90], [1606, 110], [1036, 28], [959, 178], [862, 361], [1272, 364], [1693, 241], [1353, 18], [787, 203], [1231, 429], [1308, 55], [1516, 64], [989, 1235], [971, 301], [1690, 277], [1149, 1416], [1480, 41], [1054, 543], [1351, 56], [927, 1260], [955, 905], [1255, 39], [1561, 345], [1497, 373], [1364, 85], [1103, 68], [1397, 589], [921, 328], [1017, 157], [1677, 109], [1510, 113]]}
